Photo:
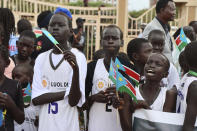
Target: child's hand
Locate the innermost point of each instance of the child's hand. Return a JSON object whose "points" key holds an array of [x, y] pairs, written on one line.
{"points": [[100, 97], [6, 101], [118, 102], [71, 58], [141, 104], [110, 92]]}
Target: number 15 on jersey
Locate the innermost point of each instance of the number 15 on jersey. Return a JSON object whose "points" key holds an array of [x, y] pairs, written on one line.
{"points": [[53, 108]]}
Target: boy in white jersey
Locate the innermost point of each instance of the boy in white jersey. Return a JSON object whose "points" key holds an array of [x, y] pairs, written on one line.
{"points": [[59, 80], [157, 39], [189, 88], [102, 116]]}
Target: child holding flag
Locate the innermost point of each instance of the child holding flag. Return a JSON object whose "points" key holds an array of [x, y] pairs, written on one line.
{"points": [[24, 74], [150, 95], [99, 89], [59, 80], [10, 95]]}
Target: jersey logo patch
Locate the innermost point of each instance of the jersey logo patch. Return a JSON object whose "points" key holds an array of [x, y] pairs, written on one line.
{"points": [[101, 84], [45, 82]]}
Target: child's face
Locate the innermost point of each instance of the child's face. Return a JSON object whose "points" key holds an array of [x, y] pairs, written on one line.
{"points": [[25, 47], [144, 53], [158, 43], [21, 75], [111, 41], [59, 28], [155, 68]]}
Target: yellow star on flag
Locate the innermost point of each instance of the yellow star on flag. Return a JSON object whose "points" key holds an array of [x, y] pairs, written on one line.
{"points": [[120, 79]]}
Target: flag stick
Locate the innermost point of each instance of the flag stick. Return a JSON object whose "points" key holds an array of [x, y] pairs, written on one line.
{"points": [[63, 52], [117, 110]]}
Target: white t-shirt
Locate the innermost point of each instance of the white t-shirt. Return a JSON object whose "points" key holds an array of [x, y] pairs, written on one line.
{"points": [[99, 118], [159, 101], [182, 93], [172, 79], [58, 115], [30, 116]]}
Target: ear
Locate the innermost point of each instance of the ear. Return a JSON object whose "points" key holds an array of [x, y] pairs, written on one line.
{"points": [[135, 56]]}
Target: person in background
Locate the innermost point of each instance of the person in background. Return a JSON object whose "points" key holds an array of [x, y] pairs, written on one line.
{"points": [[165, 12], [25, 46], [8, 70], [23, 25], [79, 37], [23, 73], [193, 24], [11, 98], [42, 43], [8, 21]]}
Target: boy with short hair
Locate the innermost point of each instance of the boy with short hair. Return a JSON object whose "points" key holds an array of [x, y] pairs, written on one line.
{"points": [[23, 73], [25, 46], [102, 116], [10, 95], [59, 80], [157, 39]]}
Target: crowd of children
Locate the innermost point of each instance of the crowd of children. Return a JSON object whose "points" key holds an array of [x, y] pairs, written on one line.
{"points": [[46, 88]]}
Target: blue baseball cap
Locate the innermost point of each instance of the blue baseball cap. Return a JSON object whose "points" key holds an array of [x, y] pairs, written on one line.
{"points": [[63, 10]]}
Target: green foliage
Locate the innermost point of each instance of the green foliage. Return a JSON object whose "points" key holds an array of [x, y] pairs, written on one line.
{"points": [[136, 14]]}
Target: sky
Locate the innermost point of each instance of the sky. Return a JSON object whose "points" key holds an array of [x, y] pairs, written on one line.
{"points": [[137, 4]]}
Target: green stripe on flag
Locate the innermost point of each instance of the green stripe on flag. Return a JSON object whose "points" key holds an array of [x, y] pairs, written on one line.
{"points": [[126, 90], [112, 79], [182, 45]]}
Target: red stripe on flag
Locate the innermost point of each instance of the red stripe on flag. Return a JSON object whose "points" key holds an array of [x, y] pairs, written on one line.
{"points": [[178, 41], [132, 73], [131, 87], [37, 31]]}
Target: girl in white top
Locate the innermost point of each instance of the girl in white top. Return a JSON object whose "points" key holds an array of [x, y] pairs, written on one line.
{"points": [[151, 93]]}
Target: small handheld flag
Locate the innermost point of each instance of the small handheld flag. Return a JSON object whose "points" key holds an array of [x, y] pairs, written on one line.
{"points": [[181, 40], [28, 90], [119, 65], [112, 72], [38, 33], [51, 38], [120, 80]]}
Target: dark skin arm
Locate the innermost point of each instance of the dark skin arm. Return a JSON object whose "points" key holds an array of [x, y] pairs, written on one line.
{"points": [[74, 94], [191, 111], [170, 102], [16, 113], [126, 109]]}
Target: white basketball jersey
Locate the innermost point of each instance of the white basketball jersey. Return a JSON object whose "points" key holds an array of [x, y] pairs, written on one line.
{"points": [[102, 117], [159, 101], [182, 93], [57, 116]]}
